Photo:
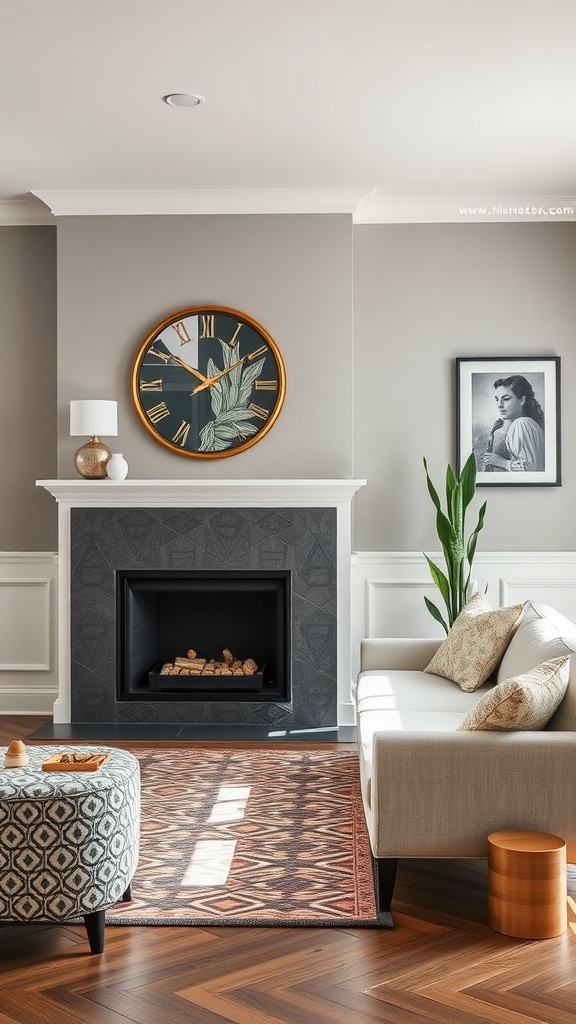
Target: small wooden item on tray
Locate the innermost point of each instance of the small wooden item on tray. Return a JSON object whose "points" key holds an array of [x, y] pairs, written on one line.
{"points": [[74, 762]]}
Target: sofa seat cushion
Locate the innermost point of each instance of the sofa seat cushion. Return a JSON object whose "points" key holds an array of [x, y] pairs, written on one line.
{"points": [[400, 689], [543, 634]]}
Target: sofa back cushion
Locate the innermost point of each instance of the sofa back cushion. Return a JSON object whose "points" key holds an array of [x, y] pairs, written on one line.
{"points": [[475, 644], [543, 634], [523, 702]]}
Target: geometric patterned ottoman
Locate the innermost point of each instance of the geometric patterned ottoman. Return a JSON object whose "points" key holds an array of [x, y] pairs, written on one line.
{"points": [[68, 840]]}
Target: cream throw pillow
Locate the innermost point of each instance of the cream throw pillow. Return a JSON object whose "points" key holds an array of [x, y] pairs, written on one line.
{"points": [[524, 702], [476, 643]]}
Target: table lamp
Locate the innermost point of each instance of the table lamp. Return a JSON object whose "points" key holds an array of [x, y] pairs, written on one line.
{"points": [[91, 418]]}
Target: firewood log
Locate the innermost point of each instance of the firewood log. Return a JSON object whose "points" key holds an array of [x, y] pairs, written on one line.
{"points": [[250, 667], [190, 662]]}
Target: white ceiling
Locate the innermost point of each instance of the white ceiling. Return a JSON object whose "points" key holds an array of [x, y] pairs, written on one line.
{"points": [[400, 106]]}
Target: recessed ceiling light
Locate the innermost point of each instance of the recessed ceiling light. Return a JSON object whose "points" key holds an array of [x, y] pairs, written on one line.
{"points": [[183, 99]]}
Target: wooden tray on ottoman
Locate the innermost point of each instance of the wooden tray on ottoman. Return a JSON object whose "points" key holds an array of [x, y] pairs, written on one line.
{"points": [[66, 762]]}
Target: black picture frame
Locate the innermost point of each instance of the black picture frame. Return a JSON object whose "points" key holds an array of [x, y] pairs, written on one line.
{"points": [[513, 449]]}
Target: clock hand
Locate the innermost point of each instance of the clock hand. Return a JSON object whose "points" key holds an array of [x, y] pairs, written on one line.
{"points": [[176, 359], [212, 380]]}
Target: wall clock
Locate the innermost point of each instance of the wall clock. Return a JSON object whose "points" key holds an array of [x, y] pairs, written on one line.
{"points": [[208, 382]]}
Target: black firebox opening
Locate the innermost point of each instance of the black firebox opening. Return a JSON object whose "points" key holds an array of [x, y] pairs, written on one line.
{"points": [[162, 614]]}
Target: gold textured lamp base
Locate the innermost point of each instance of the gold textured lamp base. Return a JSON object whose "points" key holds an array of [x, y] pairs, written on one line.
{"points": [[91, 459]]}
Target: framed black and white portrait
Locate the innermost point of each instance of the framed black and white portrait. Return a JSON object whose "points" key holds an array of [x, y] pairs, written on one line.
{"points": [[508, 414]]}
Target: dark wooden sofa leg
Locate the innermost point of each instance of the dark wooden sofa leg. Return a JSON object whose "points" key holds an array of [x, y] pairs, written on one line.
{"points": [[385, 877], [95, 924]]}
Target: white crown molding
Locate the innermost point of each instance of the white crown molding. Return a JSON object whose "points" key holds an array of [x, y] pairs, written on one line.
{"points": [[26, 212], [365, 207], [111, 203], [376, 208]]}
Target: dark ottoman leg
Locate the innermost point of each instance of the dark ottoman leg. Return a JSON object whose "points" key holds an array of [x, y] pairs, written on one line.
{"points": [[95, 924]]}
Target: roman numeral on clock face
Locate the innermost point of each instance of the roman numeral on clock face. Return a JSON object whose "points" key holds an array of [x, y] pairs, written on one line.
{"points": [[233, 340], [151, 385], [207, 323], [181, 331], [181, 435], [266, 385], [158, 412], [258, 411]]}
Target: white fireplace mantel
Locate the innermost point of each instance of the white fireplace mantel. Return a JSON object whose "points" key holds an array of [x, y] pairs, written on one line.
{"points": [[204, 493], [308, 493]]}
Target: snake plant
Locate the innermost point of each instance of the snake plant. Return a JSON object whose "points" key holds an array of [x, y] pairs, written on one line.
{"points": [[458, 553]]}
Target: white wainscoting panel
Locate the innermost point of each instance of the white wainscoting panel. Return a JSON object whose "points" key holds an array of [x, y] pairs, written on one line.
{"points": [[388, 589], [28, 632]]}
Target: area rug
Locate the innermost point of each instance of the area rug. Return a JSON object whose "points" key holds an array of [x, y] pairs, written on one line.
{"points": [[251, 837]]}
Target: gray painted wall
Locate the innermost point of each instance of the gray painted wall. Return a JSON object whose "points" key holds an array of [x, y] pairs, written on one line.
{"points": [[28, 402], [119, 276], [423, 295]]}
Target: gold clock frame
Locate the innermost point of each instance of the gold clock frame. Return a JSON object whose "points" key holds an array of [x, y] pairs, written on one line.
{"points": [[198, 310]]}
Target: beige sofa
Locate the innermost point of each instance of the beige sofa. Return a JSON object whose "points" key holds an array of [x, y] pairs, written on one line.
{"points": [[432, 791]]}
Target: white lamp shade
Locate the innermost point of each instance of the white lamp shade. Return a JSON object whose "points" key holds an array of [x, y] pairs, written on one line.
{"points": [[93, 417]]}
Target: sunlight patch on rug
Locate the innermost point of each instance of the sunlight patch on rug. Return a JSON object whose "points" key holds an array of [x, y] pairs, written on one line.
{"points": [[251, 837]]}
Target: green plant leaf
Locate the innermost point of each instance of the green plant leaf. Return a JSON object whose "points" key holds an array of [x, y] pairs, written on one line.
{"points": [[468, 480], [444, 529], [435, 613], [440, 580], [450, 486], [474, 535], [457, 511], [432, 490]]}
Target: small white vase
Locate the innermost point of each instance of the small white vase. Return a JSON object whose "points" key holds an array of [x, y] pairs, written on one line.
{"points": [[117, 467]]}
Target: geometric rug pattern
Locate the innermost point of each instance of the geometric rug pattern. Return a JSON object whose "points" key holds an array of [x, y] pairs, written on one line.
{"points": [[251, 837]]}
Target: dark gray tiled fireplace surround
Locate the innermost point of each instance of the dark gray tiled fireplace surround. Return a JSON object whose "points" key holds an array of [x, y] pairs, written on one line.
{"points": [[302, 540]]}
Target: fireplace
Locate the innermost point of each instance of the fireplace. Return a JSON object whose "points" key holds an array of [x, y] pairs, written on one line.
{"points": [[203, 635], [296, 529]]}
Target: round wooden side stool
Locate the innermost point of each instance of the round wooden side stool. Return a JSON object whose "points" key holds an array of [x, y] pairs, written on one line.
{"points": [[527, 892]]}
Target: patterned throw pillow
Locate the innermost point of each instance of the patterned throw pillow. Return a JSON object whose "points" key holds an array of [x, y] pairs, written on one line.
{"points": [[476, 643], [524, 702]]}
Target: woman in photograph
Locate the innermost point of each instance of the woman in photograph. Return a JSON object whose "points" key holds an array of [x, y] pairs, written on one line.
{"points": [[516, 442]]}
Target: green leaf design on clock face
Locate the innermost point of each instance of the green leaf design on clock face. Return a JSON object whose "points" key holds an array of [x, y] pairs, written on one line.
{"points": [[230, 398]]}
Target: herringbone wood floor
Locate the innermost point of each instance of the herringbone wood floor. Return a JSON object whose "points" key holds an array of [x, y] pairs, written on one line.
{"points": [[441, 963]]}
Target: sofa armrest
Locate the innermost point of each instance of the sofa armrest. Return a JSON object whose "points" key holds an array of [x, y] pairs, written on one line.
{"points": [[397, 653], [441, 794]]}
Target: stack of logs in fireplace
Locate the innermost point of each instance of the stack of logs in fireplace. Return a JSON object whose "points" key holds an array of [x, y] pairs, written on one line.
{"points": [[192, 665]]}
